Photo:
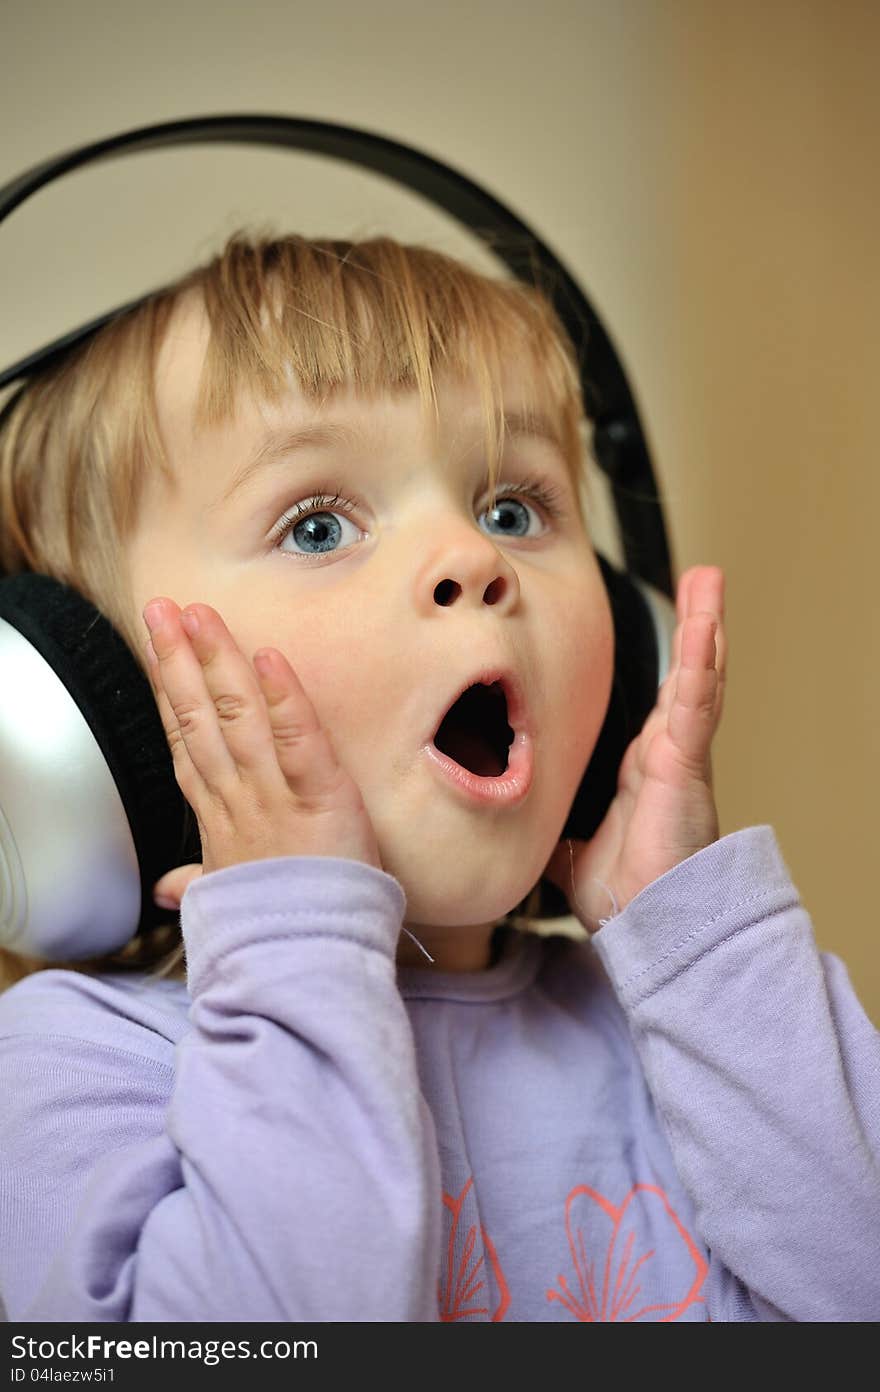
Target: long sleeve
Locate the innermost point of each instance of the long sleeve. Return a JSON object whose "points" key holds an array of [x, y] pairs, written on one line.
{"points": [[291, 1171], [765, 1071]]}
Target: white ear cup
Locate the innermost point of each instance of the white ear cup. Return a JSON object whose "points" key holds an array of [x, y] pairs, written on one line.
{"points": [[69, 878]]}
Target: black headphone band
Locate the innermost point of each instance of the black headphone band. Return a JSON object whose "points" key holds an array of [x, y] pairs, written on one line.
{"points": [[618, 439]]}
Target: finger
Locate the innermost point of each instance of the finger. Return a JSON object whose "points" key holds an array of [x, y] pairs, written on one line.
{"points": [[721, 666], [166, 714], [666, 694], [198, 748], [700, 590], [235, 697], [666, 689], [301, 743], [693, 711], [681, 596], [682, 610], [269, 726], [706, 595], [186, 773], [705, 591], [171, 887], [272, 737], [703, 585]]}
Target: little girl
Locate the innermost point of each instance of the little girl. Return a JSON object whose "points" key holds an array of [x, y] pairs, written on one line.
{"points": [[322, 489]]}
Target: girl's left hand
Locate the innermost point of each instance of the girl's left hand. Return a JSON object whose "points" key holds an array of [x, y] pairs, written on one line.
{"points": [[664, 809]]}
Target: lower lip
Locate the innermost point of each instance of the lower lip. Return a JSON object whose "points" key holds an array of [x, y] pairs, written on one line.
{"points": [[509, 788]]}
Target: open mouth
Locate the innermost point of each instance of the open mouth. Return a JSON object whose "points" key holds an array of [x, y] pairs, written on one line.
{"points": [[475, 731]]}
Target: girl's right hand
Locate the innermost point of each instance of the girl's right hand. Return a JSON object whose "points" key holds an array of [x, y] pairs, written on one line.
{"points": [[250, 755]]}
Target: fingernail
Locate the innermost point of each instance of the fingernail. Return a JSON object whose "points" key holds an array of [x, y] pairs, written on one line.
{"points": [[153, 615]]}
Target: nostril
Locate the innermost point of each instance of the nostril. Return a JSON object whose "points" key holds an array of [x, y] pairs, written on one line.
{"points": [[446, 591]]}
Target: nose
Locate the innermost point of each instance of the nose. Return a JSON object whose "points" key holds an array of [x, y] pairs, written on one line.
{"points": [[466, 567]]}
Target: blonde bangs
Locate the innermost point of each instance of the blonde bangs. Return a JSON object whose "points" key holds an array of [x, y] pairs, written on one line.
{"points": [[381, 317]]}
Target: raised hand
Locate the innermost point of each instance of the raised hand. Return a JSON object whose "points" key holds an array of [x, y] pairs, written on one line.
{"points": [[250, 755], [664, 809]]}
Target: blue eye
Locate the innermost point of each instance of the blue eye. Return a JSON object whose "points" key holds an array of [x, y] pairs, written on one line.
{"points": [[505, 512], [314, 523]]}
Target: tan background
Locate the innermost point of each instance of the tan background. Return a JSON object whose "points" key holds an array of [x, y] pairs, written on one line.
{"points": [[708, 170]]}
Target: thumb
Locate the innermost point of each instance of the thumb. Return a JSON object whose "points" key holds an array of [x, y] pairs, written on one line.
{"points": [[170, 889]]}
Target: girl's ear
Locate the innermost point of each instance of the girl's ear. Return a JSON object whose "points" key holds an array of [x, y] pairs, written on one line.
{"points": [[170, 889]]}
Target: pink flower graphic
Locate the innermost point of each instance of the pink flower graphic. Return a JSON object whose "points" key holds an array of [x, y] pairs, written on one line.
{"points": [[453, 1301], [629, 1270]]}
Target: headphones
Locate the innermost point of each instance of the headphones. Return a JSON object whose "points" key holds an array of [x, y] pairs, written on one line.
{"points": [[90, 811]]}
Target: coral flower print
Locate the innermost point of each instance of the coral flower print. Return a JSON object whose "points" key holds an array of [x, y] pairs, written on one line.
{"points": [[465, 1294], [613, 1251]]}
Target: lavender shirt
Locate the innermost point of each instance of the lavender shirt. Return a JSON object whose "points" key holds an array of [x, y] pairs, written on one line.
{"points": [[678, 1120]]}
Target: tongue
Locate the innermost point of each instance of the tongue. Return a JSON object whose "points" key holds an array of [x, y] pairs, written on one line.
{"points": [[473, 752]]}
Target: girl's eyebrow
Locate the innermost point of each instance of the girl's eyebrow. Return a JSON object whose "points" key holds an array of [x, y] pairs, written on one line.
{"points": [[279, 444]]}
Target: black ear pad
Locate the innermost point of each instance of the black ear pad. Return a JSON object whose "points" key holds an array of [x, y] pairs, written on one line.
{"points": [[114, 697], [633, 697]]}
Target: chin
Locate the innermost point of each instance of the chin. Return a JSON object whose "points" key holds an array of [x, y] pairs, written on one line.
{"points": [[459, 882], [475, 898]]}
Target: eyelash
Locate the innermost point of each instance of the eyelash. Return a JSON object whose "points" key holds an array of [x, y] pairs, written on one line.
{"points": [[547, 494]]}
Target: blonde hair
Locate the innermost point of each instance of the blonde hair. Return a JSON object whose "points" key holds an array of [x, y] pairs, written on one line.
{"points": [[79, 440]]}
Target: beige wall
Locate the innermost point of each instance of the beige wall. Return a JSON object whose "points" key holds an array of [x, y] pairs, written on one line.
{"points": [[709, 171]]}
